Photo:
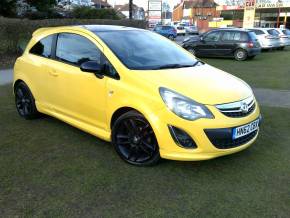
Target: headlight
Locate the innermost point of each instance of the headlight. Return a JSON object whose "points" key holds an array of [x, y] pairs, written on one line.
{"points": [[184, 107]]}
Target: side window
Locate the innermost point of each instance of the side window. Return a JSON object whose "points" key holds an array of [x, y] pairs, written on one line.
{"points": [[258, 32], [158, 28], [228, 36], [43, 47], [76, 49], [108, 67], [212, 37]]}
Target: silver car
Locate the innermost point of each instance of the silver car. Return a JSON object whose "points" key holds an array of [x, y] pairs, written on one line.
{"points": [[268, 38], [192, 30], [284, 35]]}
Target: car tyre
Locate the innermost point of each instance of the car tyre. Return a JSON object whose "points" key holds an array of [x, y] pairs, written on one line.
{"points": [[171, 37], [25, 102], [191, 50], [134, 140], [240, 55]]}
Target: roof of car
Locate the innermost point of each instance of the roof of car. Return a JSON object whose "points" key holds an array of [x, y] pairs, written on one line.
{"points": [[233, 29], [107, 28], [260, 28]]}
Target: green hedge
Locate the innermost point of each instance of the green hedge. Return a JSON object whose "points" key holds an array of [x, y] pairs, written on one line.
{"points": [[14, 31]]}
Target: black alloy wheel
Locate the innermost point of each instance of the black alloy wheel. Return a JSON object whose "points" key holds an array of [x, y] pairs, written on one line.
{"points": [[134, 140], [25, 103]]}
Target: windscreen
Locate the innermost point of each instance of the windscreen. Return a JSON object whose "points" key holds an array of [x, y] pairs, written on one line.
{"points": [[145, 50]]}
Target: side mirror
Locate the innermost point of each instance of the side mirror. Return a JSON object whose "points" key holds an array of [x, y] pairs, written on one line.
{"points": [[92, 67]]}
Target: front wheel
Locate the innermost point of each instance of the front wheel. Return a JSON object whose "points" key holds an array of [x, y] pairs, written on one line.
{"points": [[240, 55], [171, 37], [134, 140], [192, 51]]}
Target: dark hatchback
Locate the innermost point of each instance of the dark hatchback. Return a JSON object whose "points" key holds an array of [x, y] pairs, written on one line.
{"points": [[229, 42]]}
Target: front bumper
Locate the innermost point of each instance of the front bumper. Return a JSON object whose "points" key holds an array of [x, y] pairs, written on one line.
{"points": [[169, 149]]}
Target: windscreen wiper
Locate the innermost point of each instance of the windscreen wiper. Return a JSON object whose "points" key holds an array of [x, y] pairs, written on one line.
{"points": [[171, 66]]}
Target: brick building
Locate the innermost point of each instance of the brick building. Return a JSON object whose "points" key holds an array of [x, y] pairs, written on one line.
{"points": [[197, 12]]}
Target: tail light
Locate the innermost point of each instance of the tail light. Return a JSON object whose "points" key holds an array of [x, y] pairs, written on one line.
{"points": [[250, 45], [174, 30]]}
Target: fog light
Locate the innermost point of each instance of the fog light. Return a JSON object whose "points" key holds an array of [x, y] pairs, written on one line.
{"points": [[181, 138]]}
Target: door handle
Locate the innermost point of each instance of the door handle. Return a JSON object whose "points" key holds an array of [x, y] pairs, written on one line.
{"points": [[53, 73]]}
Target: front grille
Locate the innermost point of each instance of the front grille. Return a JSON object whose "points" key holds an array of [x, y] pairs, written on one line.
{"points": [[226, 141], [236, 109]]}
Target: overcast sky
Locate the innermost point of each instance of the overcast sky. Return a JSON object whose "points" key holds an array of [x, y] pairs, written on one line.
{"points": [[142, 3]]}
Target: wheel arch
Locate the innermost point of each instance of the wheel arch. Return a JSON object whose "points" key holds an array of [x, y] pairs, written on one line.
{"points": [[119, 112], [16, 83]]}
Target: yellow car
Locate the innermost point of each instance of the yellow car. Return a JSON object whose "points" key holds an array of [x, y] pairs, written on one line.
{"points": [[137, 89]]}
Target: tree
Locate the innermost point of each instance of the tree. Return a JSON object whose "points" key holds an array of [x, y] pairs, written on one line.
{"points": [[42, 5], [7, 8]]}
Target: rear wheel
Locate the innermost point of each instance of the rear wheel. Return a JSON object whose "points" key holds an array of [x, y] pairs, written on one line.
{"points": [[25, 102], [134, 140], [240, 55]]}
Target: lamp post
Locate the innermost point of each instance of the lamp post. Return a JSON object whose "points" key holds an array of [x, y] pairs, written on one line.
{"points": [[130, 9], [279, 11]]}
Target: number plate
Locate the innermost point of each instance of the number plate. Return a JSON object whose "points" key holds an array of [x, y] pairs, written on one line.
{"points": [[245, 129]]}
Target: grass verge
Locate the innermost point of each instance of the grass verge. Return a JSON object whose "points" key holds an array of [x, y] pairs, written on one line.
{"points": [[50, 169], [267, 70]]}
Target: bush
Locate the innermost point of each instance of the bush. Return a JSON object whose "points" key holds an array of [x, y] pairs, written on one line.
{"points": [[93, 13], [13, 31], [40, 15]]}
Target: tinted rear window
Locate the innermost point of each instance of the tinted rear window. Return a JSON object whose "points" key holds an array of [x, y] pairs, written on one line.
{"points": [[258, 32], [43, 47], [286, 32], [273, 32], [166, 27], [252, 36]]}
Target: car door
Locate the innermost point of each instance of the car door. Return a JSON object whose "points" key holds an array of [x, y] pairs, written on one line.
{"points": [[207, 45], [81, 96], [226, 44], [41, 71]]}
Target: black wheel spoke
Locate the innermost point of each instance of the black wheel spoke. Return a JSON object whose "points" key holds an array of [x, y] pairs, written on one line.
{"points": [[19, 93], [26, 109], [143, 148], [122, 136], [135, 140], [147, 145]]}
